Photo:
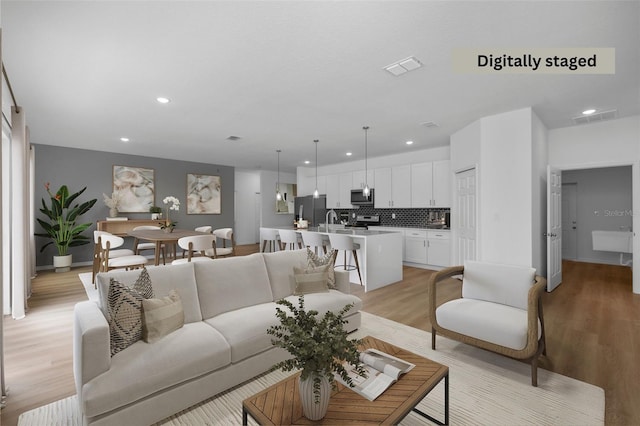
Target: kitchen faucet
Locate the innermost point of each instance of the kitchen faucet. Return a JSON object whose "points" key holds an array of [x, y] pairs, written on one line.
{"points": [[331, 215]]}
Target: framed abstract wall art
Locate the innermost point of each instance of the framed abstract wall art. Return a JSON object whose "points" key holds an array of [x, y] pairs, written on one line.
{"points": [[203, 194], [136, 187]]}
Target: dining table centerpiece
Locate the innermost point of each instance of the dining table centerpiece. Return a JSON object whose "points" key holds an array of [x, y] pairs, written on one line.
{"points": [[60, 224], [172, 203], [319, 347]]}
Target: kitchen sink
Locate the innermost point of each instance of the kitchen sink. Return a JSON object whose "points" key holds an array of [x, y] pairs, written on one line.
{"points": [[616, 241]]}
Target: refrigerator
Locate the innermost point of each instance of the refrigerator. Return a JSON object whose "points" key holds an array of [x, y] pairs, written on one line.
{"points": [[313, 209]]}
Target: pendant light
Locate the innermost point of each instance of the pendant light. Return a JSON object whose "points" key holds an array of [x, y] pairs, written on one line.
{"points": [[316, 194], [278, 194], [365, 190]]}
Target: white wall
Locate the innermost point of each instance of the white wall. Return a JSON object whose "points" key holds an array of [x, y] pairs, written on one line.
{"points": [[607, 143], [603, 201], [465, 147], [505, 188], [247, 208], [539, 154]]}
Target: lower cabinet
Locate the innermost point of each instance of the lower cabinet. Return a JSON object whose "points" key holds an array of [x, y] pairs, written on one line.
{"points": [[439, 248], [415, 246]]}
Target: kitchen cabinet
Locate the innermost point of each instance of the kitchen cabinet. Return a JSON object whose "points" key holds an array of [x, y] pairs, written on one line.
{"points": [[442, 183], [439, 248], [359, 181], [393, 187], [431, 184], [415, 246], [339, 191]]}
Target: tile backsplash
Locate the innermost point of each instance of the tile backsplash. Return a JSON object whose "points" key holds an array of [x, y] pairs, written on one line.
{"points": [[408, 218]]}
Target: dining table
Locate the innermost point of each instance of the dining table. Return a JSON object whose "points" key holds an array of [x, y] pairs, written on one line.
{"points": [[160, 236]]}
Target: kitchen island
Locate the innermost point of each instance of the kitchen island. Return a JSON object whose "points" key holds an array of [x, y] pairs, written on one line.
{"points": [[380, 255]]}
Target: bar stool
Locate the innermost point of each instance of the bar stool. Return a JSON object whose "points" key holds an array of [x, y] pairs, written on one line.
{"points": [[314, 241], [289, 239], [345, 243], [269, 235]]}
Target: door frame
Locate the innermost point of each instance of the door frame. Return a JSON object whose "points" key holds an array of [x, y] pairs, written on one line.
{"points": [[635, 203], [454, 251]]}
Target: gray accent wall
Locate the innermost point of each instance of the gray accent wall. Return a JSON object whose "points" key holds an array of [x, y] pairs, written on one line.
{"points": [[78, 168]]}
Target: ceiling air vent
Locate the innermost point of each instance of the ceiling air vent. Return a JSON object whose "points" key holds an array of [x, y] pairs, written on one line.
{"points": [[234, 138], [429, 124], [403, 66], [595, 117]]}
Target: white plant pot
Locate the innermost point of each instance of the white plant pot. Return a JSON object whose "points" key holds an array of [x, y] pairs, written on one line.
{"points": [[62, 263], [311, 409], [155, 216]]}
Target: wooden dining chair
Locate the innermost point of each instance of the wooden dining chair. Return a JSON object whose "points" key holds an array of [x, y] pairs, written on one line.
{"points": [[196, 247], [97, 250], [110, 242], [142, 246], [228, 246]]}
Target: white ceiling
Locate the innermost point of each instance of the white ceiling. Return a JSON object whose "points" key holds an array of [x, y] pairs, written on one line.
{"points": [[281, 74]]}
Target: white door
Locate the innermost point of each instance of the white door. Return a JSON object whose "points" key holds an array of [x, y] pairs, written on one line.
{"points": [[569, 221], [554, 228], [465, 217]]}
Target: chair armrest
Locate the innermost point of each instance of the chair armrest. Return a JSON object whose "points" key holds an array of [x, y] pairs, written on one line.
{"points": [[432, 288], [342, 282], [534, 309], [91, 346]]}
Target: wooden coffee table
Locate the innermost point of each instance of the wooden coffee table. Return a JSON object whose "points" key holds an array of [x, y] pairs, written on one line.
{"points": [[279, 404]]}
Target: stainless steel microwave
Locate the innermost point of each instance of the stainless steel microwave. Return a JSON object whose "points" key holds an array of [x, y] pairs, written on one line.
{"points": [[359, 199]]}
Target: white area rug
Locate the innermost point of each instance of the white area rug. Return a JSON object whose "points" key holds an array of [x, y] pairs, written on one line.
{"points": [[485, 389], [92, 292]]}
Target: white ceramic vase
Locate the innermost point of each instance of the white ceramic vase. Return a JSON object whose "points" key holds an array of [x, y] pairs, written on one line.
{"points": [[62, 263], [311, 409], [113, 212]]}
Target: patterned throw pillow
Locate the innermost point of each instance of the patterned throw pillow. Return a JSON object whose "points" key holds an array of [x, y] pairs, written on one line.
{"points": [[311, 280], [314, 261], [125, 309], [161, 316]]}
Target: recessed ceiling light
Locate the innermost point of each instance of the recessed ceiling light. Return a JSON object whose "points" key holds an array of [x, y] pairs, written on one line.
{"points": [[588, 111], [124, 139], [349, 154], [307, 161], [409, 142], [163, 100]]}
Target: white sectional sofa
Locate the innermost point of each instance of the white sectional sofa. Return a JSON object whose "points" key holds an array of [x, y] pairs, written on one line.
{"points": [[228, 306]]}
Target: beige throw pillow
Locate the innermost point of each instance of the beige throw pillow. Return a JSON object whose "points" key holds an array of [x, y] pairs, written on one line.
{"points": [[311, 280], [161, 316], [124, 305], [314, 261]]}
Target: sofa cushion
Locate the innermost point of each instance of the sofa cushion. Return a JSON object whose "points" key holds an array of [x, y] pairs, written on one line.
{"points": [[163, 280], [492, 322], [314, 261], [232, 283], [333, 300], [506, 284], [146, 368], [311, 280], [124, 305], [161, 316], [246, 329], [280, 266]]}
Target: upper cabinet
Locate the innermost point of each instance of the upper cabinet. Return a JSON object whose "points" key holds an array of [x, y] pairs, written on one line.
{"points": [[359, 181], [431, 184], [442, 183], [392, 187], [339, 191]]}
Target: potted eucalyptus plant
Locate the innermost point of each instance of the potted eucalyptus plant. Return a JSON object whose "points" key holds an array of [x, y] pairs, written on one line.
{"points": [[319, 347], [60, 224]]}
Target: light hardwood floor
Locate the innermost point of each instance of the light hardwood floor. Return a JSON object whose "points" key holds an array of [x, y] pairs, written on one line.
{"points": [[592, 322]]}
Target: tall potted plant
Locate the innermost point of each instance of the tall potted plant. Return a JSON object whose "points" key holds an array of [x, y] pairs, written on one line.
{"points": [[60, 224], [320, 348]]}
